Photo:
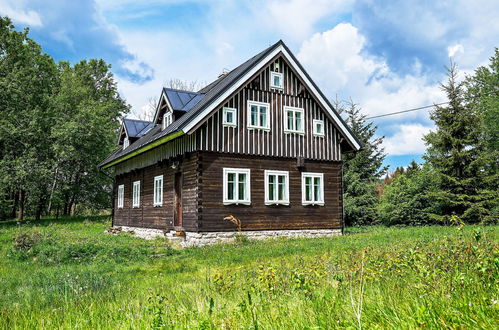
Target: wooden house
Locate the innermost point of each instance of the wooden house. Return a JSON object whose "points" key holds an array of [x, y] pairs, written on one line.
{"points": [[261, 143]]}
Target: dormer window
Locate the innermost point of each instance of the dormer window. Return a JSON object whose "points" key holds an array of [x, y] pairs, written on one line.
{"points": [[167, 119], [126, 143], [276, 80]]}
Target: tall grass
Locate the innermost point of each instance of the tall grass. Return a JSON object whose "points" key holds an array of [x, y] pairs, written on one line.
{"points": [[67, 274]]}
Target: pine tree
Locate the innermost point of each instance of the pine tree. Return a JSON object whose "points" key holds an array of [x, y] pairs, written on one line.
{"points": [[453, 150], [363, 169], [483, 95]]}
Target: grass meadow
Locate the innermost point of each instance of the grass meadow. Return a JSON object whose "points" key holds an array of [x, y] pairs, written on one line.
{"points": [[67, 273]]}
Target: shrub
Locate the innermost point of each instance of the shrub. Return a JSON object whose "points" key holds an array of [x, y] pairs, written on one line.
{"points": [[408, 199], [26, 240]]}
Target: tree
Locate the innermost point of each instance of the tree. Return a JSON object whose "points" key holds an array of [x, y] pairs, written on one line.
{"points": [[453, 152], [363, 169], [57, 123], [483, 96], [407, 200], [28, 79], [89, 108]]}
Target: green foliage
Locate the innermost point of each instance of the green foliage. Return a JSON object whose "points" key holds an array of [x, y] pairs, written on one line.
{"points": [[459, 152], [361, 170], [406, 278], [408, 199], [57, 123], [482, 95]]}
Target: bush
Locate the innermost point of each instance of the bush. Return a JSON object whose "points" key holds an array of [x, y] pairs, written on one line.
{"points": [[408, 199], [26, 240]]}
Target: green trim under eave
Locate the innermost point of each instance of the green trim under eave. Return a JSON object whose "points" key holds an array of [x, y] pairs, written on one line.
{"points": [[146, 148]]}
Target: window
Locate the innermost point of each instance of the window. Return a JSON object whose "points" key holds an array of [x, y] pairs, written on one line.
{"points": [[258, 115], [236, 186], [167, 119], [276, 187], [276, 80], [293, 120], [121, 195], [312, 188], [318, 127], [126, 143], [230, 117], [136, 194], [158, 191]]}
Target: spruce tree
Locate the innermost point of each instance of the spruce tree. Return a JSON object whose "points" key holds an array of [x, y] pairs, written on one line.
{"points": [[363, 169], [453, 150], [483, 95]]}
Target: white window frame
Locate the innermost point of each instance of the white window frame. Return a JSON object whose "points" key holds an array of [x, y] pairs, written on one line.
{"points": [[294, 110], [281, 79], [276, 201], [167, 119], [136, 194], [267, 120], [158, 191], [121, 196], [234, 117], [237, 171], [126, 143], [314, 124], [305, 175]]}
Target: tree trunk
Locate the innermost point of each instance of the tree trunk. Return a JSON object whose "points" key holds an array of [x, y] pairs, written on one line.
{"points": [[15, 204], [54, 183], [20, 212]]}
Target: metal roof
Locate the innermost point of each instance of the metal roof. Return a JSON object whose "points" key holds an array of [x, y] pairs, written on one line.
{"points": [[182, 100], [202, 99], [137, 128]]}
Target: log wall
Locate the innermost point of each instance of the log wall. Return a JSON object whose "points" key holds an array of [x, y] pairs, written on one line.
{"points": [[159, 217], [259, 216]]}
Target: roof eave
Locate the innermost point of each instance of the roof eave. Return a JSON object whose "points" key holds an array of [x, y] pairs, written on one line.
{"points": [[145, 148]]}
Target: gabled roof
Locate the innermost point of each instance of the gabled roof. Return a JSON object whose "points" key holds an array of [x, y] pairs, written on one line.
{"points": [[137, 128], [211, 96], [182, 100]]}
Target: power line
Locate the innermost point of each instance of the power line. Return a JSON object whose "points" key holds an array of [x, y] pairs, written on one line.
{"points": [[408, 110]]}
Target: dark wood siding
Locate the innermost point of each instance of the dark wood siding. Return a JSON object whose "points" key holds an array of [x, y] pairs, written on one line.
{"points": [[159, 217], [259, 216], [213, 136]]}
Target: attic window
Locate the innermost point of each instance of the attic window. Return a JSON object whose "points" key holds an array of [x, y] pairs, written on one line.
{"points": [[167, 120], [126, 143], [276, 80], [318, 128], [230, 117]]}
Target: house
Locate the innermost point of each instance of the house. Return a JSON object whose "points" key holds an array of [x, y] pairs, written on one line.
{"points": [[261, 143]]}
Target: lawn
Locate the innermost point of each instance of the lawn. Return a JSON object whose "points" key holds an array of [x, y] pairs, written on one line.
{"points": [[67, 273]]}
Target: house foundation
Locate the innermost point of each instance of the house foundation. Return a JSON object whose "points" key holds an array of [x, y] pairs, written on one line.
{"points": [[198, 239]]}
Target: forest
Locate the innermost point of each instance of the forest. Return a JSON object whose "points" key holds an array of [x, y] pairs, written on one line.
{"points": [[59, 120]]}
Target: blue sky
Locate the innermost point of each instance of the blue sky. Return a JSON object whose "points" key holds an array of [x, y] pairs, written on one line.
{"points": [[384, 55]]}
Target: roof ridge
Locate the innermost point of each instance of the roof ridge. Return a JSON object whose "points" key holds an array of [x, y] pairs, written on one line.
{"points": [[181, 90], [132, 119]]}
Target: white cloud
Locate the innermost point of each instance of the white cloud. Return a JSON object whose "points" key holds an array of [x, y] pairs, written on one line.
{"points": [[407, 140], [336, 59], [17, 12], [295, 19], [453, 50]]}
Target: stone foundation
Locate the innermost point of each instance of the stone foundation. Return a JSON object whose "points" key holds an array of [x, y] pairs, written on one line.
{"points": [[208, 238]]}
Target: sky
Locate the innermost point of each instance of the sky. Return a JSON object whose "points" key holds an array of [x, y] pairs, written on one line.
{"points": [[384, 55]]}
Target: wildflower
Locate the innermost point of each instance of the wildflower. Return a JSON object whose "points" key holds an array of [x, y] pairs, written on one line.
{"points": [[494, 301]]}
